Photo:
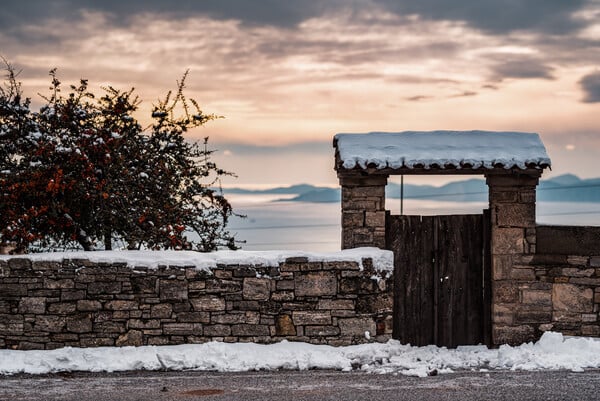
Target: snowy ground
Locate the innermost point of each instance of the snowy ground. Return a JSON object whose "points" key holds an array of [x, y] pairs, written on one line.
{"points": [[551, 352]]}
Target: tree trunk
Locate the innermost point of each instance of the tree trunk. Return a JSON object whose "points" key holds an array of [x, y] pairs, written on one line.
{"points": [[107, 239]]}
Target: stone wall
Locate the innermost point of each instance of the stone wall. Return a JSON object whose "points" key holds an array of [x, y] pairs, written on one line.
{"points": [[512, 244], [555, 289], [363, 211], [52, 304]]}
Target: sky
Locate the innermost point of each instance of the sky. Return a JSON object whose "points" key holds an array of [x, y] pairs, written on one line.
{"points": [[288, 75]]}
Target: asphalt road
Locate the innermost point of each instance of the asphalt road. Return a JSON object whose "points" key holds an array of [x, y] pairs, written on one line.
{"points": [[301, 386]]}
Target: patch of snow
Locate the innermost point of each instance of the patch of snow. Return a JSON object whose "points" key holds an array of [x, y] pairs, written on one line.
{"points": [[442, 148], [383, 261], [551, 352]]}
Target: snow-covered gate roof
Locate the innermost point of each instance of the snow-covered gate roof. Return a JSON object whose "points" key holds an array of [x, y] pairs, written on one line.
{"points": [[440, 152]]}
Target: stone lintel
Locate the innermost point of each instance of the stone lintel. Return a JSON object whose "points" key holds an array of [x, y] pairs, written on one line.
{"points": [[359, 180]]}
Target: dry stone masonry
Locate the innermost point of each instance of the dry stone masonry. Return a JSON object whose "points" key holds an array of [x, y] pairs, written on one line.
{"points": [[76, 302]]}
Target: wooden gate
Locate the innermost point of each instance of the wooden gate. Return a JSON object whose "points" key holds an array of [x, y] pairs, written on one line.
{"points": [[442, 291]]}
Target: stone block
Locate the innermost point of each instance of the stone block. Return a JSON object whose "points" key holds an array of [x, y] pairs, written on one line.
{"points": [[88, 306], [171, 290], [503, 314], [362, 237], [566, 316], [587, 281], [372, 304], [159, 340], [223, 286], [131, 338], [595, 261], [109, 327], [13, 324], [217, 330], [161, 311], [321, 283], [341, 266], [104, 287], [356, 326], [62, 308], [375, 219], [257, 289], [50, 323], [193, 317], [143, 284], [578, 260], [353, 218], [211, 303], [357, 285], [196, 286], [13, 290], [228, 318], [375, 191], [284, 285], [515, 215], [589, 317], [536, 298], [143, 324], [222, 274], [19, 263], [58, 284], [335, 304], [502, 266], [533, 316], [35, 305], [321, 331], [245, 306], [507, 240], [590, 330], [513, 335], [81, 323], [311, 266], [72, 295], [505, 293], [522, 274], [302, 318], [577, 272], [572, 298], [282, 296], [245, 330], [182, 329], [284, 326], [121, 305], [507, 196]]}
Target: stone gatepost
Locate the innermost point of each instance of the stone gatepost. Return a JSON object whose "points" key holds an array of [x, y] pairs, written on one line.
{"points": [[515, 293], [363, 211]]}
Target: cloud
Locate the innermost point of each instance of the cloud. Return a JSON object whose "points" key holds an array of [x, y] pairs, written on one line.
{"points": [[256, 12], [522, 68], [591, 87], [418, 98], [498, 16], [464, 94]]}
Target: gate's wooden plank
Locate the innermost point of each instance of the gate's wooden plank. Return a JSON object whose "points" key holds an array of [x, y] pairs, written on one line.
{"points": [[410, 239], [461, 292], [487, 278]]}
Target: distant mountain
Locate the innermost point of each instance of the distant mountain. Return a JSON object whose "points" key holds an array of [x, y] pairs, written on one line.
{"points": [[564, 188], [291, 190]]}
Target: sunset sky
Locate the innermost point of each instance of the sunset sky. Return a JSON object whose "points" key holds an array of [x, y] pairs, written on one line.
{"points": [[288, 75]]}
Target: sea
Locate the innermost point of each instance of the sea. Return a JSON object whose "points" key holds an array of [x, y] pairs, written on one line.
{"points": [[273, 223]]}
